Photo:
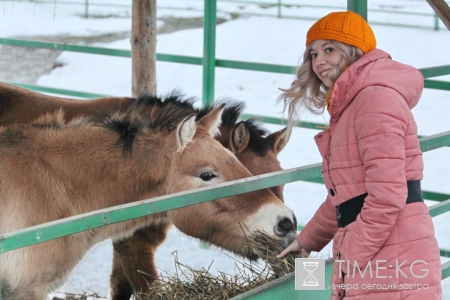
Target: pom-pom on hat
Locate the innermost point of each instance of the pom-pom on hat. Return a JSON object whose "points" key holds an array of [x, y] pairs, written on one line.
{"points": [[345, 27]]}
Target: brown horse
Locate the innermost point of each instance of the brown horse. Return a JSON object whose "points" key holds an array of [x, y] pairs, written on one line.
{"points": [[21, 106], [246, 139], [52, 170], [251, 145]]}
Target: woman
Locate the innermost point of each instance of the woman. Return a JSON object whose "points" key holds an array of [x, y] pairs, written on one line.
{"points": [[372, 165]]}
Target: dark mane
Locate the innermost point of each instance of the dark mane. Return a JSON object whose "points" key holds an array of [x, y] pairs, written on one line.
{"points": [[258, 143], [173, 108], [231, 112], [175, 97], [129, 124]]}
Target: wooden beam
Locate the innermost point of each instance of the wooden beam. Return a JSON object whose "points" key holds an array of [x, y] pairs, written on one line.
{"points": [[143, 47], [442, 9]]}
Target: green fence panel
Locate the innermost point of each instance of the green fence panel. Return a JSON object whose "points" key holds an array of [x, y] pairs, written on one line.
{"points": [[358, 6], [231, 64], [435, 71], [48, 231], [209, 51], [284, 288], [437, 85], [435, 141], [65, 47], [440, 208], [446, 270]]}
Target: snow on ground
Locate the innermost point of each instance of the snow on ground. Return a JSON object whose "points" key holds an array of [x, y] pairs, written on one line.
{"points": [[257, 39]]}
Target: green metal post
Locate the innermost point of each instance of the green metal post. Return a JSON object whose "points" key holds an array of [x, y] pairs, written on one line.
{"points": [[209, 50], [86, 9], [279, 8], [436, 22], [358, 6]]}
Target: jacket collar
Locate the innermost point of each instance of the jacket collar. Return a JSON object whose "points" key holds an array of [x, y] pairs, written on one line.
{"points": [[344, 89], [375, 68]]}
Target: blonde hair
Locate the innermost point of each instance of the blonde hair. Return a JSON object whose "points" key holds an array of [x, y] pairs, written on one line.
{"points": [[307, 90]]}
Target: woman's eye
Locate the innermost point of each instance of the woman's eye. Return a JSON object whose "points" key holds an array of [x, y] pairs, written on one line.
{"points": [[313, 55], [207, 176], [329, 49]]}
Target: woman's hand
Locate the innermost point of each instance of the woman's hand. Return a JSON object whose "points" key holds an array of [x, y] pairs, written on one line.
{"points": [[294, 247]]}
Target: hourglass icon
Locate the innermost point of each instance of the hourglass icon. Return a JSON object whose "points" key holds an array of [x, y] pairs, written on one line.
{"points": [[310, 266]]}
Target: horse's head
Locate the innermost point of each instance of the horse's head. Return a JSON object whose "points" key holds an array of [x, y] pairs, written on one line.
{"points": [[253, 146], [202, 162], [257, 152]]}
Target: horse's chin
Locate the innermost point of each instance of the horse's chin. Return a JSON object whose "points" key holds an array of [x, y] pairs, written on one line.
{"points": [[252, 255]]}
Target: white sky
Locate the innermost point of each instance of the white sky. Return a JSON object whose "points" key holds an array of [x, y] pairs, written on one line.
{"points": [[257, 39]]}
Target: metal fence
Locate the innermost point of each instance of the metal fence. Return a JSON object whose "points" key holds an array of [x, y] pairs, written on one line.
{"points": [[45, 232], [281, 9]]}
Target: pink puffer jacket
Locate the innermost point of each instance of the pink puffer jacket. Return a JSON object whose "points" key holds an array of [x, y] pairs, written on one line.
{"points": [[372, 147]]}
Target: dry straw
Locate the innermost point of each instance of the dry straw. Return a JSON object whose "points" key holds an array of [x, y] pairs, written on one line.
{"points": [[189, 284]]}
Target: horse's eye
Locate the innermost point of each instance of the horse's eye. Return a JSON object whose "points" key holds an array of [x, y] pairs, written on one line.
{"points": [[207, 176]]}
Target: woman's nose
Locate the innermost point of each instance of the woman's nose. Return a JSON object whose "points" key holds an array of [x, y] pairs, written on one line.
{"points": [[319, 61]]}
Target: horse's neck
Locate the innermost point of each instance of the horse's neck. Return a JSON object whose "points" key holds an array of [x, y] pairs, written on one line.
{"points": [[92, 168], [75, 108]]}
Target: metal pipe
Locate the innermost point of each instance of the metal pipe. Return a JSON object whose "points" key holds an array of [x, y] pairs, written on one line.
{"points": [[209, 51], [358, 6]]}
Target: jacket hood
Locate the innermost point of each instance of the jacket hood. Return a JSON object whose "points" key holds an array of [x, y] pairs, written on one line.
{"points": [[376, 68]]}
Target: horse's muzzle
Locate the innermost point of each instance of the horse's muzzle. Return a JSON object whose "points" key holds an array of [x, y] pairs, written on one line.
{"points": [[286, 228]]}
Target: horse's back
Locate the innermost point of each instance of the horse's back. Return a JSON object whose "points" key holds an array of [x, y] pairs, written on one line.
{"points": [[20, 106]]}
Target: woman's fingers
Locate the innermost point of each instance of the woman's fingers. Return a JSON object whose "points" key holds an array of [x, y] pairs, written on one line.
{"points": [[304, 253], [292, 247]]}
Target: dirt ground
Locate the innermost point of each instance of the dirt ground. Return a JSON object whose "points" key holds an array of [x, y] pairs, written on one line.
{"points": [[31, 63]]}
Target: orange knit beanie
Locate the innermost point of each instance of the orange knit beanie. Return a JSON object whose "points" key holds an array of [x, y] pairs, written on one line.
{"points": [[345, 27]]}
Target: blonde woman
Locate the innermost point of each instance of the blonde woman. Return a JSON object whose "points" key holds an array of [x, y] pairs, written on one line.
{"points": [[372, 165]]}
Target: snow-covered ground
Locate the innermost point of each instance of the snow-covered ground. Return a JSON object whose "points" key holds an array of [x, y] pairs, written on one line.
{"points": [[256, 39]]}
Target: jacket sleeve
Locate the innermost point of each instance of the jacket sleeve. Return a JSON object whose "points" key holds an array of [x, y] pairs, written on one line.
{"points": [[320, 229], [380, 125]]}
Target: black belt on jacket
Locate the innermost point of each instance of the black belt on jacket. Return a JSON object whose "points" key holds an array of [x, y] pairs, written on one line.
{"points": [[347, 212]]}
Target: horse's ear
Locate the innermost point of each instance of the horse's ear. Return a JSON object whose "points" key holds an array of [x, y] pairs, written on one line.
{"points": [[185, 132], [212, 120], [239, 139], [280, 139]]}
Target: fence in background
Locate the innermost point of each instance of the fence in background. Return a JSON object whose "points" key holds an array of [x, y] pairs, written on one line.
{"points": [[282, 10], [52, 230]]}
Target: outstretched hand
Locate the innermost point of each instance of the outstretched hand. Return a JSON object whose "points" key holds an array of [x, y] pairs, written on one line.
{"points": [[294, 247]]}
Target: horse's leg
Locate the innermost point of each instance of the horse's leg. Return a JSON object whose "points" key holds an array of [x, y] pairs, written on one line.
{"points": [[133, 254], [22, 292], [121, 288]]}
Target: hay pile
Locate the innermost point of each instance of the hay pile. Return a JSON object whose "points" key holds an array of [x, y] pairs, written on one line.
{"points": [[188, 283], [70, 296]]}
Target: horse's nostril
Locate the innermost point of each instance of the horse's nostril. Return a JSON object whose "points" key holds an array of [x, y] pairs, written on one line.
{"points": [[284, 226]]}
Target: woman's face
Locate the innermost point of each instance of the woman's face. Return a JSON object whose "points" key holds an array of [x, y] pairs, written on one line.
{"points": [[324, 56]]}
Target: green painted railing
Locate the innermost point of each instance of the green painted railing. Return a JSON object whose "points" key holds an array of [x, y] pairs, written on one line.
{"points": [[52, 230], [48, 231], [284, 288], [209, 51], [44, 232], [211, 62]]}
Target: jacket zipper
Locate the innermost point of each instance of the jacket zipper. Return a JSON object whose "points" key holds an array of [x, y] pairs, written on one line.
{"points": [[329, 173]]}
